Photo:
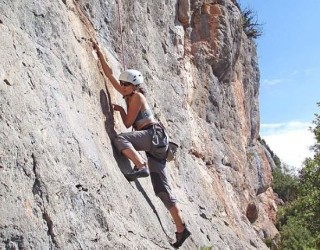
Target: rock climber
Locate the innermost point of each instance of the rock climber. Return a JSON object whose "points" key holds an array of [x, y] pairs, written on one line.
{"points": [[140, 116]]}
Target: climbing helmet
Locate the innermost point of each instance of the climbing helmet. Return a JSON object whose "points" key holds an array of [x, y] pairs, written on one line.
{"points": [[131, 75]]}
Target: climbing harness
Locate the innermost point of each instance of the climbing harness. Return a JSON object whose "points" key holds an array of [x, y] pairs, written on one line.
{"points": [[162, 149]]}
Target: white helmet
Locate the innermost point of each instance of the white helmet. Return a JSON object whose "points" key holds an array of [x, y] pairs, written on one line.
{"points": [[131, 75]]}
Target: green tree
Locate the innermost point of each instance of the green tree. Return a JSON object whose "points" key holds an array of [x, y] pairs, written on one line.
{"points": [[309, 193], [296, 236], [299, 220], [285, 183]]}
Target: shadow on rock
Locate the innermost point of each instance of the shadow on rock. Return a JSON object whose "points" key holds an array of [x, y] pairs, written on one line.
{"points": [[140, 188], [123, 162]]}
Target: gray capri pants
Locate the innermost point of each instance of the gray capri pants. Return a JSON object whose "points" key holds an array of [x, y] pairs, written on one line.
{"points": [[141, 140]]}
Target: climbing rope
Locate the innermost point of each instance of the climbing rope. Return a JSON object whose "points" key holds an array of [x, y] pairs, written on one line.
{"points": [[119, 3], [86, 21], [92, 33]]}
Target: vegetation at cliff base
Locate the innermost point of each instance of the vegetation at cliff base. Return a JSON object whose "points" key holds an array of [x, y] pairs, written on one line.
{"points": [[299, 219]]}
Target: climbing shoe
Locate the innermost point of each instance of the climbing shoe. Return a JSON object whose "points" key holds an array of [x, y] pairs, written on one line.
{"points": [[137, 173], [181, 237]]}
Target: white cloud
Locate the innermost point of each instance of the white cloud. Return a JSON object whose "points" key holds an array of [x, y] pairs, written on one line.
{"points": [[273, 82], [309, 72], [291, 76], [276, 128], [289, 141]]}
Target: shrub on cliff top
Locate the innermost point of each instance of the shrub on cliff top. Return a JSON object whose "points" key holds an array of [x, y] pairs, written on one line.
{"points": [[250, 24]]}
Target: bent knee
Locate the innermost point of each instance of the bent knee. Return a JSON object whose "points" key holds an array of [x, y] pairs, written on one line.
{"points": [[121, 142], [168, 200]]}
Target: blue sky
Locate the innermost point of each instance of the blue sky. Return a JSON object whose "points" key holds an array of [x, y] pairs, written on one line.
{"points": [[289, 61]]}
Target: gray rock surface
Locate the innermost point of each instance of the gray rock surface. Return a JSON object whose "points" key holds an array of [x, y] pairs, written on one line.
{"points": [[61, 181]]}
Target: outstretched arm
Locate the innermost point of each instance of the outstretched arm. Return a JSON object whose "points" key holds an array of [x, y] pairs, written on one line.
{"points": [[107, 70]]}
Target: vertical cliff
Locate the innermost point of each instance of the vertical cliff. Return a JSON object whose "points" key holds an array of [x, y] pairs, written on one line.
{"points": [[61, 181]]}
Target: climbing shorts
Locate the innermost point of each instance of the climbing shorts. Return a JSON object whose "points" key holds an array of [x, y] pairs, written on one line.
{"points": [[139, 140], [160, 182], [142, 141]]}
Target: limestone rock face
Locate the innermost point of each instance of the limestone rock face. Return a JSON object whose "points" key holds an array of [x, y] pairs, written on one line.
{"points": [[61, 181]]}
